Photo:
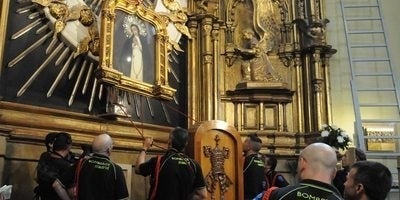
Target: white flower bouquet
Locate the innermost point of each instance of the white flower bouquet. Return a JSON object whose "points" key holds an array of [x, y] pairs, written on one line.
{"points": [[335, 137]]}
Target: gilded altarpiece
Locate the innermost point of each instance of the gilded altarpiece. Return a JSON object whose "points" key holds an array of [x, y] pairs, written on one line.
{"points": [[263, 66]]}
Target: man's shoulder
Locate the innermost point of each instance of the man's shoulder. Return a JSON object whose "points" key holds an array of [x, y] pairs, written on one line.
{"points": [[305, 190]]}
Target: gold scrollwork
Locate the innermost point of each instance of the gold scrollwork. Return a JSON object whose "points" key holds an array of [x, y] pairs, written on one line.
{"points": [[62, 13]]}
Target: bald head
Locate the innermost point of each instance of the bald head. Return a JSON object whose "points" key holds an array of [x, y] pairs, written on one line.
{"points": [[318, 161], [102, 144]]}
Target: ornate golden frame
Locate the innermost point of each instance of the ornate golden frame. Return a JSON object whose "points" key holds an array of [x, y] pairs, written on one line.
{"points": [[112, 11]]}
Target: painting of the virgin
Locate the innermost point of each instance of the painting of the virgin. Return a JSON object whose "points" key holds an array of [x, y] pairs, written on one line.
{"points": [[134, 48]]}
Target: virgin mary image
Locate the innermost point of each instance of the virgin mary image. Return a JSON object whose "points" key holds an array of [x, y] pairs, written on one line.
{"points": [[136, 57]]}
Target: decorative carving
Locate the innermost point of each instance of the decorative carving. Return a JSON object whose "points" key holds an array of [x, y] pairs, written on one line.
{"points": [[201, 5], [318, 85], [62, 13], [317, 9], [283, 9], [217, 174], [297, 60], [215, 32], [317, 56], [207, 6], [172, 5], [314, 31], [179, 18], [300, 9]]}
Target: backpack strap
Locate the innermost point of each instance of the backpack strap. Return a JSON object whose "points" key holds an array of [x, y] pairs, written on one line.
{"points": [[156, 173], [267, 193]]}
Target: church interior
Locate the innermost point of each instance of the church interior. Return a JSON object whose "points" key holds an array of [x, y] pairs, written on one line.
{"points": [[223, 69]]}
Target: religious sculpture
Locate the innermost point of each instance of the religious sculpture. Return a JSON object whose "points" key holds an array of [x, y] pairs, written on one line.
{"points": [[255, 62]]}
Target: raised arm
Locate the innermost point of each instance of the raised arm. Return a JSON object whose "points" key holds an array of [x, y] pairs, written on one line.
{"points": [[147, 142]]}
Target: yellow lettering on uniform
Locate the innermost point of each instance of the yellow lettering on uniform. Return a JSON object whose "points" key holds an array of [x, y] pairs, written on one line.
{"points": [[308, 196]]}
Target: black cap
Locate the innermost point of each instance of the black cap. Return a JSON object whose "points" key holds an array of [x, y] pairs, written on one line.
{"points": [[61, 141], [253, 137], [48, 141]]}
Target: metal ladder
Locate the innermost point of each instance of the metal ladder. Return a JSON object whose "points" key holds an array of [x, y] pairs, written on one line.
{"points": [[374, 84]]}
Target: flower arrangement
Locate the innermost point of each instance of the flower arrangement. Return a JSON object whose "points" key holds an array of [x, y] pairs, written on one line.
{"points": [[335, 137]]}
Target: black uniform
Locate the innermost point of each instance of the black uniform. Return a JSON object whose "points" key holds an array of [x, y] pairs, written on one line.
{"points": [[339, 180], [179, 176], [50, 167], [99, 179], [253, 176], [307, 189]]}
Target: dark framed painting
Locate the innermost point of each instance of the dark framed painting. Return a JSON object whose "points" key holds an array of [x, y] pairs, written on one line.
{"points": [[134, 48]]}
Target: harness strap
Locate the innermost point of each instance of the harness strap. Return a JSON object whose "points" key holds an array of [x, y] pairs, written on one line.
{"points": [[274, 179], [248, 165], [268, 193], [76, 178], [156, 173]]}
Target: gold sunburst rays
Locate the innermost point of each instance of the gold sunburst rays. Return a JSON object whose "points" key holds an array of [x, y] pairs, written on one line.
{"points": [[149, 106], [43, 28], [62, 57], [167, 116], [59, 76], [28, 50], [56, 51], [34, 15], [52, 44], [78, 80], [96, 5], [89, 73], [25, 8], [81, 67], [27, 28], [39, 70]]}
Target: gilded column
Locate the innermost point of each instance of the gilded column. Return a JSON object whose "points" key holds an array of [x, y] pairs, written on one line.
{"points": [[328, 85], [298, 86], [193, 73], [317, 89], [215, 34], [206, 69]]}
